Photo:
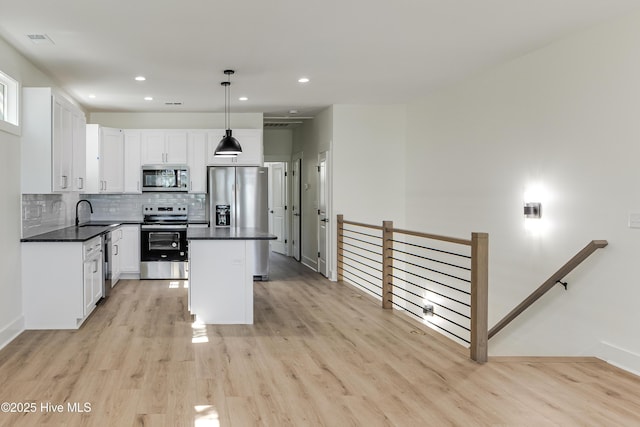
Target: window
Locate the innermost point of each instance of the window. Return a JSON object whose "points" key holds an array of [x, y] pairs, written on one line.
{"points": [[9, 108]]}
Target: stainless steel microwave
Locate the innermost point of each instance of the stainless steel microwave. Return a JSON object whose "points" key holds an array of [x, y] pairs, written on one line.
{"points": [[165, 178]]}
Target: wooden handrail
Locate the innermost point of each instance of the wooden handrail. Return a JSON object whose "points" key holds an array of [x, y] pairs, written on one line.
{"points": [[434, 237], [548, 284], [360, 224]]}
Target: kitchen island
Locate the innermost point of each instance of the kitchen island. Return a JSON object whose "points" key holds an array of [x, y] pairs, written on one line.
{"points": [[221, 264]]}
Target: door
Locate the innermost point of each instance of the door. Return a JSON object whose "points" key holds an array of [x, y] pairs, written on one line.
{"points": [[277, 206], [296, 207], [323, 230]]}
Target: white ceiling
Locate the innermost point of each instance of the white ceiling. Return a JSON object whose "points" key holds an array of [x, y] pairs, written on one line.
{"points": [[354, 51]]}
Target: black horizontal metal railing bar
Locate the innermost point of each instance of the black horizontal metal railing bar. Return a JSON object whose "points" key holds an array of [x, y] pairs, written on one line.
{"points": [[432, 249], [453, 276], [362, 249], [431, 323], [361, 278], [456, 240], [432, 259], [435, 303], [377, 261], [360, 224], [364, 287], [360, 240], [359, 232], [466, 316], [435, 314], [466, 304], [433, 281], [361, 271], [363, 265]]}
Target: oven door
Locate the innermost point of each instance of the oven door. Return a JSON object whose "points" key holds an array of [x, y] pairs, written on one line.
{"points": [[159, 243]]}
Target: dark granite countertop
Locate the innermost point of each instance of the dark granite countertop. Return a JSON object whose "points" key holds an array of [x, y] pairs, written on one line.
{"points": [[213, 233], [73, 234]]}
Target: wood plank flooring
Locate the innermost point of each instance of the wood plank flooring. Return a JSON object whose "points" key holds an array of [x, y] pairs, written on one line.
{"points": [[319, 354]]}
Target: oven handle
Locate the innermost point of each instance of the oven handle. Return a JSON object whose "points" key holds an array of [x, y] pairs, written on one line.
{"points": [[163, 227]]}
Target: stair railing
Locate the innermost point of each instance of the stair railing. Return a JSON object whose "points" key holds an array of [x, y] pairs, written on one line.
{"points": [[548, 284]]}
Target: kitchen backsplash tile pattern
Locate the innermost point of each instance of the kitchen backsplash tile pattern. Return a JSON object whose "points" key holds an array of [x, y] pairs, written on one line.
{"points": [[128, 207], [47, 212]]}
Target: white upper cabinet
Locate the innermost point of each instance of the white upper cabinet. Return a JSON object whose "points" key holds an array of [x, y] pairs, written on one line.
{"points": [[132, 172], [51, 143], [105, 160], [197, 161], [164, 147], [251, 142]]}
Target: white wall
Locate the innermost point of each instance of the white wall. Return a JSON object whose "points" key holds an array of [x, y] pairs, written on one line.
{"points": [[278, 145], [11, 320], [175, 120], [564, 118]]}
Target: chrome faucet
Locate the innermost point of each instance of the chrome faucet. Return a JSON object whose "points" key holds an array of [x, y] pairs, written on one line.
{"points": [[78, 204]]}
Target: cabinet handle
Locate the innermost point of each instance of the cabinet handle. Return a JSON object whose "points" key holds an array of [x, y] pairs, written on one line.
{"points": [[95, 265], [116, 249], [81, 183], [64, 181]]}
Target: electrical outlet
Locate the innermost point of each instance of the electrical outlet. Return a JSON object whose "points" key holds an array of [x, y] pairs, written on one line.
{"points": [[428, 310]]}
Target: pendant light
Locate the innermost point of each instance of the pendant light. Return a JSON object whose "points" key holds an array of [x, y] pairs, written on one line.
{"points": [[228, 146]]}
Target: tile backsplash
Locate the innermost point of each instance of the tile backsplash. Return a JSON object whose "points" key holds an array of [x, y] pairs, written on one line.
{"points": [[47, 212]]}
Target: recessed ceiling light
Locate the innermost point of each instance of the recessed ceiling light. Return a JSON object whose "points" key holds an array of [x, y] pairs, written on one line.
{"points": [[148, 98], [141, 78], [303, 80], [91, 96], [293, 111], [243, 98]]}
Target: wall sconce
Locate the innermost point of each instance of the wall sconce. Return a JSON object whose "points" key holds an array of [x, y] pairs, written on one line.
{"points": [[532, 210]]}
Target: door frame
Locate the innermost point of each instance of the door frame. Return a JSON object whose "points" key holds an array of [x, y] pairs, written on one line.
{"points": [[326, 156], [296, 158]]}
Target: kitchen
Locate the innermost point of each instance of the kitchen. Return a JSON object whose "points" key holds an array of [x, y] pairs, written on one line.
{"points": [[141, 179]]}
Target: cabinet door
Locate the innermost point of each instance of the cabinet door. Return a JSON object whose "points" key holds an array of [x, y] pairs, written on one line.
{"points": [[132, 172], [79, 137], [197, 151], [116, 258], [97, 281], [153, 152], [130, 249], [176, 148], [112, 160], [62, 146], [90, 269]]}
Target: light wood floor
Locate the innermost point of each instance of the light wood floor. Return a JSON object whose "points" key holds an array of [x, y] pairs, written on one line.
{"points": [[319, 353]]}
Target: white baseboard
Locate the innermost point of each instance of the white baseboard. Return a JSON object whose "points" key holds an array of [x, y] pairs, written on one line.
{"points": [[618, 357], [311, 263], [11, 331]]}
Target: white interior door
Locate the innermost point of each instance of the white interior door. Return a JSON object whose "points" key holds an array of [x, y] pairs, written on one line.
{"points": [[323, 229], [296, 211], [277, 206]]}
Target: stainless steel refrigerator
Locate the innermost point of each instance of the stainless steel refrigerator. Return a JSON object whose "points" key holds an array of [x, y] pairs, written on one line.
{"points": [[238, 197]]}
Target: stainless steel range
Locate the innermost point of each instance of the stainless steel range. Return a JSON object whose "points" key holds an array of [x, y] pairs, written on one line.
{"points": [[163, 242]]}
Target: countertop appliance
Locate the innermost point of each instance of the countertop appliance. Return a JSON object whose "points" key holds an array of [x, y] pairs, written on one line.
{"points": [[165, 178], [163, 242], [238, 198]]}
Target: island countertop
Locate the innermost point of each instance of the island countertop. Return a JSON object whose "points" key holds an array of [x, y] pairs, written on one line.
{"points": [[226, 233]]}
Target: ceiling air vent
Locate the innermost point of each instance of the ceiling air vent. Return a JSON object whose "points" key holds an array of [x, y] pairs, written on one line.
{"points": [[281, 124], [173, 103], [40, 39]]}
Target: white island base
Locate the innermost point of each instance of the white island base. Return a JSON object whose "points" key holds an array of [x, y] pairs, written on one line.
{"points": [[221, 281]]}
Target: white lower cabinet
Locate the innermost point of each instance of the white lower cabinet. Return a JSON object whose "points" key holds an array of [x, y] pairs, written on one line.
{"points": [[116, 257], [62, 282], [129, 250]]}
